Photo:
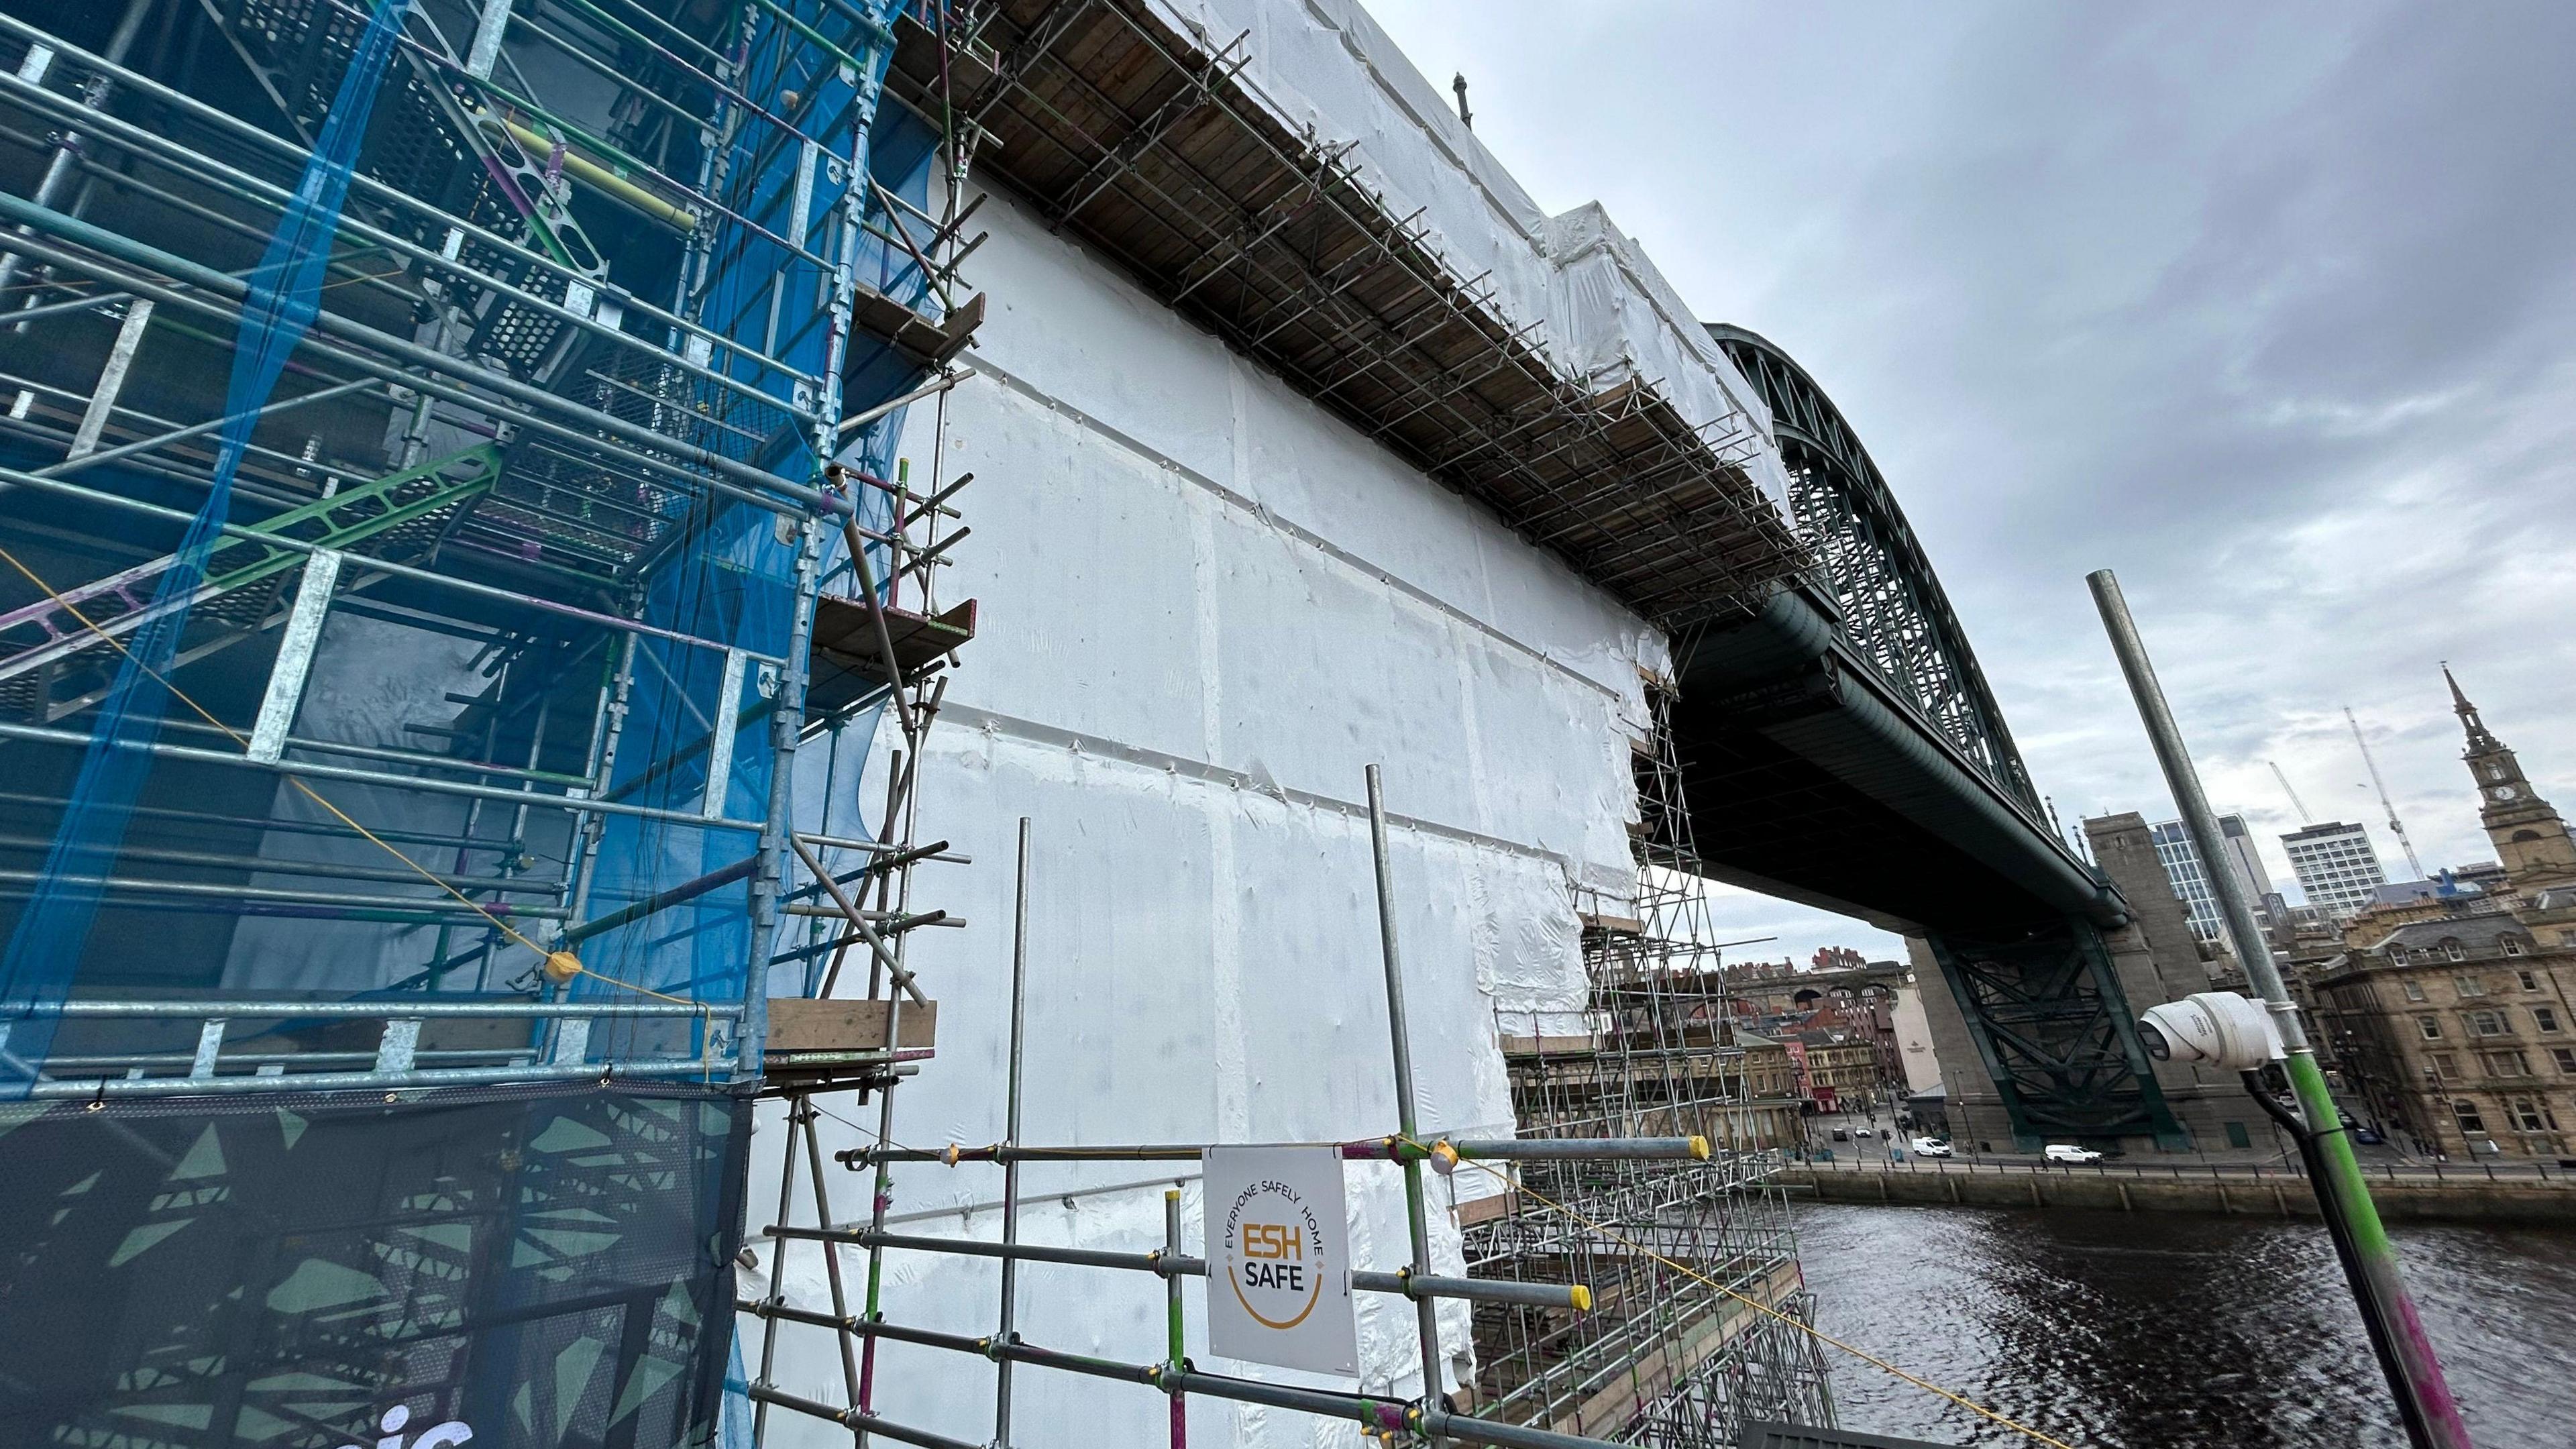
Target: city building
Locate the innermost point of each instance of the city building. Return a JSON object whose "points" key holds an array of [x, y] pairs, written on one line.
{"points": [[1777, 989], [1771, 1116], [2460, 1031], [2451, 1014], [2335, 865], [2190, 877], [2434, 888], [2486, 876], [1857, 1025], [1844, 1062]]}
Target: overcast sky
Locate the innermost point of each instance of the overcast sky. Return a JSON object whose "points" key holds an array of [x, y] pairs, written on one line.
{"points": [[2272, 309]]}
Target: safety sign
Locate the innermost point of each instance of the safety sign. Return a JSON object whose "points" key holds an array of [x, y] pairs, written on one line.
{"points": [[1278, 1253]]}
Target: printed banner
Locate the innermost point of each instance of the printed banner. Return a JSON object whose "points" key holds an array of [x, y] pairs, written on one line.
{"points": [[529, 1266], [1279, 1258]]}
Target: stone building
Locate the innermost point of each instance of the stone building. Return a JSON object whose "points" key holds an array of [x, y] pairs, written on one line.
{"points": [[2531, 841], [2460, 1031], [2455, 1018], [1852, 1020], [1781, 988], [1771, 1112]]}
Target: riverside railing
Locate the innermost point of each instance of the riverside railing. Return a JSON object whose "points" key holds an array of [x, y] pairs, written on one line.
{"points": [[2558, 1173]]}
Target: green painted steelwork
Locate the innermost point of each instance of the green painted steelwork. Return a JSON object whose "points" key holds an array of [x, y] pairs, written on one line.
{"points": [[1849, 754]]}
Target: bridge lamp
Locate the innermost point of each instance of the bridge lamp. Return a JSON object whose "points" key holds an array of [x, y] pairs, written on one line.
{"points": [[2218, 1029]]}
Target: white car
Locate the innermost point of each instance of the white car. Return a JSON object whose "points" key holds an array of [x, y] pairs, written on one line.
{"points": [[1931, 1147], [2067, 1152]]}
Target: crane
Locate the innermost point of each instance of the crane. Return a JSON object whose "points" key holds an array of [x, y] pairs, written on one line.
{"points": [[2394, 828], [2295, 802]]}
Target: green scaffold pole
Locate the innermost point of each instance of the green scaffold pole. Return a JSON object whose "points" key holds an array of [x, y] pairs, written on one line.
{"points": [[2405, 1352]]}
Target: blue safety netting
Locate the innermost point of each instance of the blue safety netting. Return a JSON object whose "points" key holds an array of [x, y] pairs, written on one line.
{"points": [[284, 294], [533, 1266], [734, 577]]}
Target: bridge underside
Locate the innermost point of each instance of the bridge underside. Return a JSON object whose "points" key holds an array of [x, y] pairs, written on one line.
{"points": [[1808, 778]]}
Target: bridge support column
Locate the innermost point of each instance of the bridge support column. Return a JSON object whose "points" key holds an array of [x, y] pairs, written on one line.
{"points": [[2040, 1014]]}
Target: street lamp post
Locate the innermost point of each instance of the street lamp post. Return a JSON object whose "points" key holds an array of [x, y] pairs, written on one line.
{"points": [[2440, 1106]]}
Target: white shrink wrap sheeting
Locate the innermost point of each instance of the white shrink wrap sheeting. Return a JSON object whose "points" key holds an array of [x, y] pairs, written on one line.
{"points": [[1207, 605]]}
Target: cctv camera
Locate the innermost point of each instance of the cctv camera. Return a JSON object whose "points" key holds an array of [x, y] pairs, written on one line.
{"points": [[2212, 1028]]}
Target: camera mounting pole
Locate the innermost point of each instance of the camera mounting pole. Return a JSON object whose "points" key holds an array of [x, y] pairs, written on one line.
{"points": [[2414, 1370]]}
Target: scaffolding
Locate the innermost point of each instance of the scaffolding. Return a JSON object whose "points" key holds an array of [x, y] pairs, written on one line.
{"points": [[859, 1323], [447, 477], [442, 736], [1148, 138], [1683, 1259], [1639, 1284]]}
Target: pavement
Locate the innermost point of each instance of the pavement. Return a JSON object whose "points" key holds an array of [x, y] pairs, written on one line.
{"points": [[2274, 1150]]}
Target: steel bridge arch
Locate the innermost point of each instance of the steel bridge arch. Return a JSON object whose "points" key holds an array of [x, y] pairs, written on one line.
{"points": [[1893, 606], [2039, 994]]}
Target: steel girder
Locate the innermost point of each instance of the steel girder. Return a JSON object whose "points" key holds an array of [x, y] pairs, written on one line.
{"points": [[2055, 1032]]}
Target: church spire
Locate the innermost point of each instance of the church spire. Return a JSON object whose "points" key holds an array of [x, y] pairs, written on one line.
{"points": [[2531, 841], [2479, 739]]}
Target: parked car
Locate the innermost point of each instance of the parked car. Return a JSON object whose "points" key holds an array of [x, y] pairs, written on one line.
{"points": [[1931, 1147], [2069, 1152]]}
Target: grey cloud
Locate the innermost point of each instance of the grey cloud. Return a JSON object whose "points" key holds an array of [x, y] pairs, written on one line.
{"points": [[2273, 309]]}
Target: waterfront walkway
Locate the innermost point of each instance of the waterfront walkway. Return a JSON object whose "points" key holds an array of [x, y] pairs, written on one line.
{"points": [[2516, 1192]]}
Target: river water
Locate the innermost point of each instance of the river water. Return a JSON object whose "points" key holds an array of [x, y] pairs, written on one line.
{"points": [[2177, 1331]]}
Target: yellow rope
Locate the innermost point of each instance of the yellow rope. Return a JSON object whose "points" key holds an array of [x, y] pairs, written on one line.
{"points": [[1759, 1306], [560, 966]]}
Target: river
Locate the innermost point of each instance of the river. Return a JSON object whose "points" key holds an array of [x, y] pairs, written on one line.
{"points": [[2177, 1331]]}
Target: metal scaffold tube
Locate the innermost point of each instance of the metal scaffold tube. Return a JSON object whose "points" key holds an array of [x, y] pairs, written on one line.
{"points": [[2408, 1359], [1011, 1136], [1170, 1264], [1670, 1245], [1381, 1415], [1398, 1149], [1417, 1222]]}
